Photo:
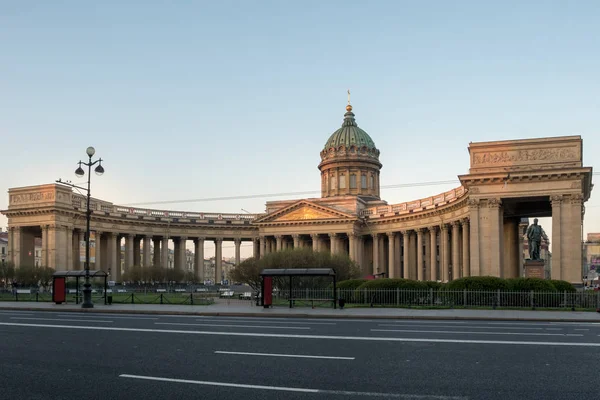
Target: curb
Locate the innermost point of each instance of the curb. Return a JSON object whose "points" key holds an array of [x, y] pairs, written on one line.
{"points": [[304, 315]]}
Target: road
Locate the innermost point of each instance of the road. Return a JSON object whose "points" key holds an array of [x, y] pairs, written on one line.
{"points": [[49, 355]]}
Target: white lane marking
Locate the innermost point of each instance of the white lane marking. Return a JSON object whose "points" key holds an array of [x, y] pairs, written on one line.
{"points": [[61, 320], [458, 327], [580, 329], [296, 389], [297, 336], [106, 316], [234, 326], [478, 333], [283, 355], [262, 320]]}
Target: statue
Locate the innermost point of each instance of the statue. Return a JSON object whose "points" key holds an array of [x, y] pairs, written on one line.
{"points": [[535, 234]]}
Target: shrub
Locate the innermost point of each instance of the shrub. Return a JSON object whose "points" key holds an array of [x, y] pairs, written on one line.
{"points": [[477, 283], [529, 284], [563, 286], [433, 285], [350, 283], [383, 291]]}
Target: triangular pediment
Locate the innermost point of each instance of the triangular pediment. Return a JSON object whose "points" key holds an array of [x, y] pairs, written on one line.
{"points": [[305, 211]]}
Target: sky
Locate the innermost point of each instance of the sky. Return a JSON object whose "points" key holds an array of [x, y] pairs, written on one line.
{"points": [[201, 99]]}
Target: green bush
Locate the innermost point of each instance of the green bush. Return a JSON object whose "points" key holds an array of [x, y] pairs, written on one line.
{"points": [[389, 283], [477, 283], [563, 286], [433, 285], [350, 283], [529, 284]]}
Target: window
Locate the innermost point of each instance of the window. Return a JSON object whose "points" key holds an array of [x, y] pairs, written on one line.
{"points": [[342, 181], [363, 181], [371, 182], [352, 181]]}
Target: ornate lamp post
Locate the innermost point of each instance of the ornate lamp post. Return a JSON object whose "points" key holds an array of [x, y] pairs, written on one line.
{"points": [[99, 170]]}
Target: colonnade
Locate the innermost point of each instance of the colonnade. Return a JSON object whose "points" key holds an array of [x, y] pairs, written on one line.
{"points": [[61, 250]]}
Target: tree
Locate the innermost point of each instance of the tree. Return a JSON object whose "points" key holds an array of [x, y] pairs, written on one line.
{"points": [[134, 274], [7, 272], [173, 274], [27, 275], [249, 270], [45, 275], [155, 273]]}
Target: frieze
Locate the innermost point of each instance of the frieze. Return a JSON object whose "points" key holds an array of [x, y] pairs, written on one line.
{"points": [[525, 156], [31, 197], [576, 185]]}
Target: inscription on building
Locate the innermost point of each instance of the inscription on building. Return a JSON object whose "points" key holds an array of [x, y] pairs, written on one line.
{"points": [[31, 197], [526, 156]]}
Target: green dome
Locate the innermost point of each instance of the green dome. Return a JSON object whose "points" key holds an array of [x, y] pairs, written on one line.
{"points": [[349, 134]]}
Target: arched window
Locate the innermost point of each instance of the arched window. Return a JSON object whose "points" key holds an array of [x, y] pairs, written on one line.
{"points": [[342, 184], [363, 181], [352, 181]]}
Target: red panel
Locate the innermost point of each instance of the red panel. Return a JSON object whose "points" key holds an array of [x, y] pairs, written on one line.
{"points": [[58, 290], [268, 281]]}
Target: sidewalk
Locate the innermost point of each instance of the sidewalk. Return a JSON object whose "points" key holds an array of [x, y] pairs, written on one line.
{"points": [[305, 312]]}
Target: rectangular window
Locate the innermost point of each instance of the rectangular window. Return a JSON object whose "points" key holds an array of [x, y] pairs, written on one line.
{"points": [[352, 181], [372, 182], [342, 184], [363, 181]]}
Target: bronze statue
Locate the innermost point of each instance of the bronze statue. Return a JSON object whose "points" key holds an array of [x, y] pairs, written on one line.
{"points": [[535, 234]]}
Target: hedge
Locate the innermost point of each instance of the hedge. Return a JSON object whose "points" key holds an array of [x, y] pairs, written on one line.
{"points": [[477, 283], [350, 283], [529, 284], [563, 286]]}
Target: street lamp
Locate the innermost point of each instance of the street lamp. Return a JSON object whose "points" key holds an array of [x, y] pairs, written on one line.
{"points": [[99, 170]]}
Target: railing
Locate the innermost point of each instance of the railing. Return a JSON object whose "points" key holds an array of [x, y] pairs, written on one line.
{"points": [[416, 205], [428, 298], [79, 202]]}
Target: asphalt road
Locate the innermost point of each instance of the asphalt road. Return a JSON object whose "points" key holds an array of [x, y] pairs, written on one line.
{"points": [[49, 355]]}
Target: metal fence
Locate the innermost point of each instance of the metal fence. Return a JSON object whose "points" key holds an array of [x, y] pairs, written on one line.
{"points": [[429, 298]]}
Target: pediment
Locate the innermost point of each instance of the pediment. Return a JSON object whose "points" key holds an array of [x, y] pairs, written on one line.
{"points": [[305, 211]]}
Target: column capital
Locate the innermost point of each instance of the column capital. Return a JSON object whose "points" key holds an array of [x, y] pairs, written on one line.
{"points": [[473, 203], [237, 240], [278, 237], [405, 232], [556, 199], [130, 235], [255, 239], [314, 235], [333, 235], [218, 240], [199, 239], [576, 198], [352, 234], [295, 236], [375, 235], [455, 224], [443, 227], [494, 202], [420, 231], [465, 222], [432, 229], [391, 235]]}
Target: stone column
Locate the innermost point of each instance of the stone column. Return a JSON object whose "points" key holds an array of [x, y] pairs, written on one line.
{"points": [[44, 245], [571, 262], [333, 240], [164, 252], [114, 248], [98, 265], [263, 246], [130, 249], [406, 273], [137, 253], [81, 247], [444, 253], [255, 248], [69, 248], [455, 250], [279, 240], [147, 262], [199, 259], [182, 254], [315, 241], [219, 259], [474, 245], [156, 248], [375, 253], [427, 243], [511, 248], [466, 258], [420, 267], [495, 226], [296, 239], [352, 250], [238, 243], [392, 270], [557, 258]]}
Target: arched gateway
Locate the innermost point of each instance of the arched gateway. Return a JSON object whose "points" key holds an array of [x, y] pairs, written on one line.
{"points": [[469, 231]]}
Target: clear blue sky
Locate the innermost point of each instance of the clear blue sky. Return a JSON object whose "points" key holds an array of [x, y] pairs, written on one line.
{"points": [[188, 100]]}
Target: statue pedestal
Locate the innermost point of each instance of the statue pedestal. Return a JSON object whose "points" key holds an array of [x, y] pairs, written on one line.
{"points": [[535, 269]]}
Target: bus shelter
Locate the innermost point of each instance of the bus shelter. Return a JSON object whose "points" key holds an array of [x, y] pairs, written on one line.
{"points": [[267, 276], [59, 284]]}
